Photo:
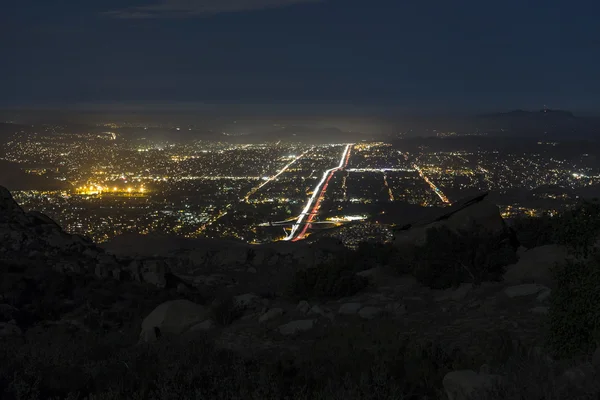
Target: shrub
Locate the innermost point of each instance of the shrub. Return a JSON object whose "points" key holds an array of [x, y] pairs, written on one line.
{"points": [[449, 258], [534, 231], [574, 318], [330, 280], [578, 229], [225, 311]]}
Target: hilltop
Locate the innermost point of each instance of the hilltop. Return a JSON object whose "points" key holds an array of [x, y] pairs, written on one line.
{"points": [[454, 305]]}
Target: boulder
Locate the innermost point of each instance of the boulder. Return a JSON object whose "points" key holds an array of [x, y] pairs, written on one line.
{"points": [[273, 313], [175, 316], [535, 265], [303, 307], [544, 295], [396, 309], [9, 329], [349, 308], [370, 312], [482, 214], [524, 290], [540, 310], [154, 272], [296, 327], [596, 359], [468, 384], [203, 326], [248, 301], [580, 375]]}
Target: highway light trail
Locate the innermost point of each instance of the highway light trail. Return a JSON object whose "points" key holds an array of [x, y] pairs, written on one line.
{"points": [[317, 197], [256, 189], [385, 182]]}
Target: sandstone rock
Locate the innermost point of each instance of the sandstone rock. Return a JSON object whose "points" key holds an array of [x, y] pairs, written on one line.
{"points": [[527, 289], [174, 316], [296, 327], [370, 312], [536, 264], [303, 307], [349, 308], [271, 314], [467, 384]]}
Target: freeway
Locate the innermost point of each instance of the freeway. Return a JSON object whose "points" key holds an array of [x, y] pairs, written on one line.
{"points": [[315, 200]]}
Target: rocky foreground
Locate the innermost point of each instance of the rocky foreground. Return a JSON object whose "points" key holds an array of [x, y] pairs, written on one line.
{"points": [[57, 285]]}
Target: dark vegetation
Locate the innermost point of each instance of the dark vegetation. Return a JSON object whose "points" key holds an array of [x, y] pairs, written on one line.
{"points": [[450, 258], [99, 358]]}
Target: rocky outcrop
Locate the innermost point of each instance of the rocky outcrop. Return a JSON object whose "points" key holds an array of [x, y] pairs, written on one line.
{"points": [[26, 236], [480, 215]]}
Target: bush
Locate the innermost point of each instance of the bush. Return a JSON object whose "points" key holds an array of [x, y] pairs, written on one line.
{"points": [[450, 258], [574, 316], [578, 229], [225, 311], [534, 231], [330, 280]]}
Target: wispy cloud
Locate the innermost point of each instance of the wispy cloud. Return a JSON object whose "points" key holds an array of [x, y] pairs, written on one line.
{"points": [[191, 8]]}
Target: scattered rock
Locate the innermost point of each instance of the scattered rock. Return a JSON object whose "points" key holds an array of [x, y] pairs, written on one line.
{"points": [[396, 308], [303, 306], [154, 272], [246, 301], [544, 295], [468, 384], [317, 310], [7, 312], [174, 316], [580, 374], [9, 329], [527, 289], [271, 314], [295, 327], [349, 308], [540, 310], [596, 359], [370, 312]]}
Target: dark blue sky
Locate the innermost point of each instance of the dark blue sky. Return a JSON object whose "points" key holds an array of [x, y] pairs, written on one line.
{"points": [[442, 55]]}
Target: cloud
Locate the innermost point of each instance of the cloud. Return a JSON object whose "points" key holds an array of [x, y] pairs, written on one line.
{"points": [[191, 8]]}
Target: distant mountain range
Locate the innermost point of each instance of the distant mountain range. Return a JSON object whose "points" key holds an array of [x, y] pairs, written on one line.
{"points": [[546, 123], [545, 113]]}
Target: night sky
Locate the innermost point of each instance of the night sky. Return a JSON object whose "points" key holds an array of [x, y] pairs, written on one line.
{"points": [[462, 55]]}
